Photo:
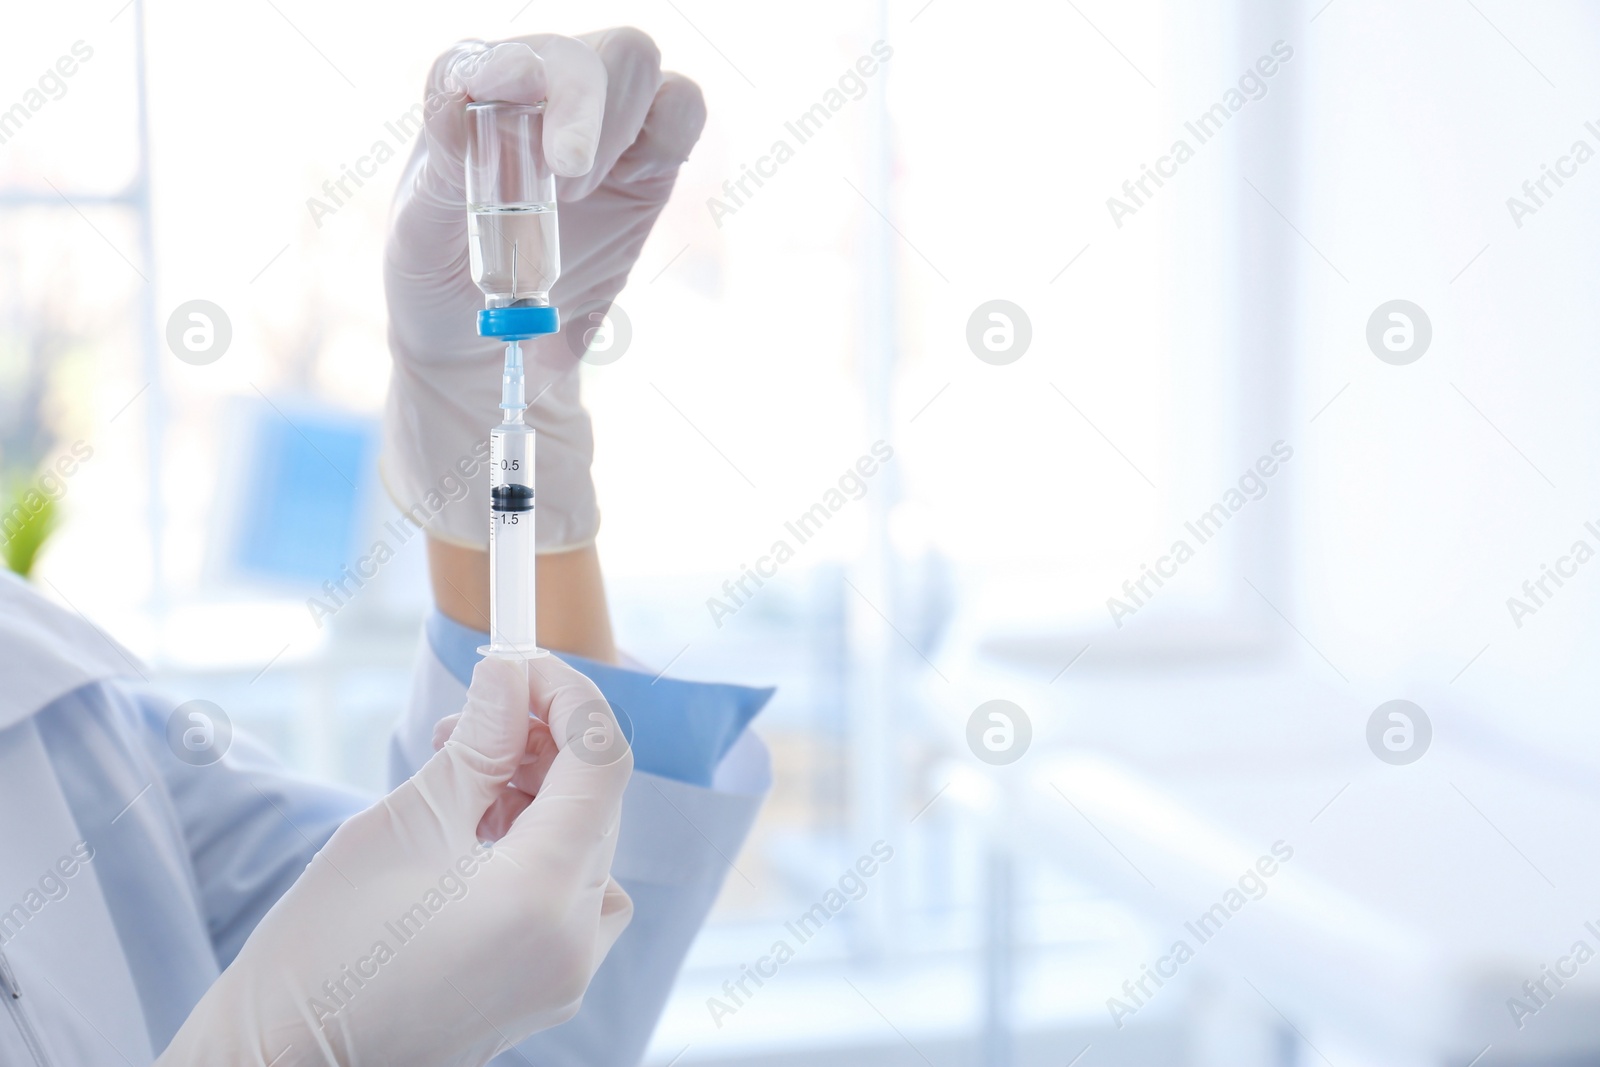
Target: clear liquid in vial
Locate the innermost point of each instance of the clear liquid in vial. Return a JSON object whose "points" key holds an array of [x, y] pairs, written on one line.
{"points": [[515, 251]]}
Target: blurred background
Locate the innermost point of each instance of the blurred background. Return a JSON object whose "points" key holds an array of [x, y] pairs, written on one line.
{"points": [[1216, 340]]}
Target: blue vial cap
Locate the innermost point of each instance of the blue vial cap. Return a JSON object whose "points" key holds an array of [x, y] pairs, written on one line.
{"points": [[518, 323]]}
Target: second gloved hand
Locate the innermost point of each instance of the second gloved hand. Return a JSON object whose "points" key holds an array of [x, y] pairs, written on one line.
{"points": [[616, 130], [407, 941]]}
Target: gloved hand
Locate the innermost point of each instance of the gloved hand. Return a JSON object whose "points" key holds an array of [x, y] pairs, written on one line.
{"points": [[406, 941], [616, 130], [538, 754]]}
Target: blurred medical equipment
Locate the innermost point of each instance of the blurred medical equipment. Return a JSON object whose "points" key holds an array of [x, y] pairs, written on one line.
{"points": [[516, 256]]}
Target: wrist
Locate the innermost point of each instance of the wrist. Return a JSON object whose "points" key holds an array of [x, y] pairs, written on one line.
{"points": [[571, 611], [460, 579]]}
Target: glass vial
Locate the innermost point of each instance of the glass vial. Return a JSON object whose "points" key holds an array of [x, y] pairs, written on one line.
{"points": [[512, 239]]}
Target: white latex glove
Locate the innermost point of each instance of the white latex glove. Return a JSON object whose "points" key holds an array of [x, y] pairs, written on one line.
{"points": [[616, 131], [406, 941]]}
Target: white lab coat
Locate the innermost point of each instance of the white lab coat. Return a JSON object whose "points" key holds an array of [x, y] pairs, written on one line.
{"points": [[110, 952]]}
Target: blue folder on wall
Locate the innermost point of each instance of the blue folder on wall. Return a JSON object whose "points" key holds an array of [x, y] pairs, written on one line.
{"points": [[308, 474]]}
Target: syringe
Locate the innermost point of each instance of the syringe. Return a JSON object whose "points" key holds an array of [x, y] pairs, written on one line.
{"points": [[511, 516]]}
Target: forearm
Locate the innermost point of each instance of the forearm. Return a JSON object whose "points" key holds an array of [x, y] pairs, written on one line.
{"points": [[570, 606]]}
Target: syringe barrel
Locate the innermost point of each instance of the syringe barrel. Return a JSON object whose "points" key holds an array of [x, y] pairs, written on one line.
{"points": [[511, 544]]}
